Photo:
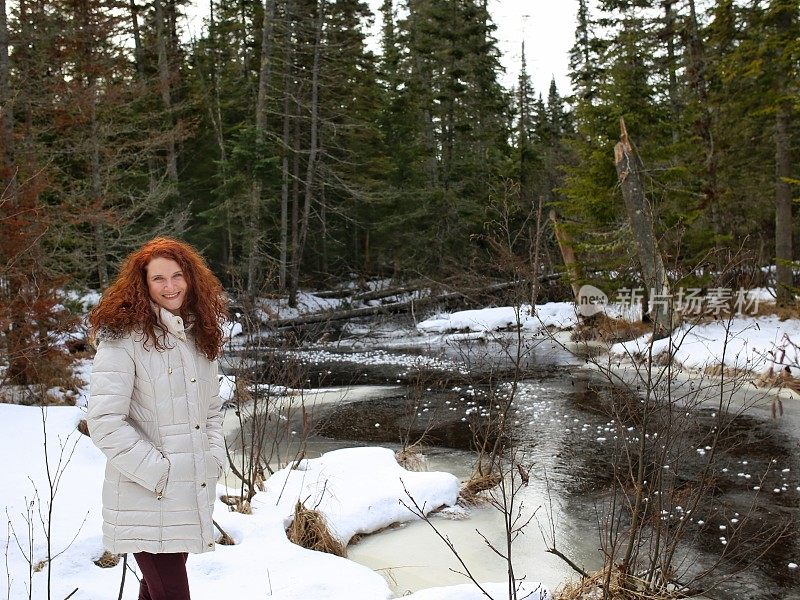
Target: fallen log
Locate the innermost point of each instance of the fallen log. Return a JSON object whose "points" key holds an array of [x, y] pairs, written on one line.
{"points": [[366, 311], [396, 307]]}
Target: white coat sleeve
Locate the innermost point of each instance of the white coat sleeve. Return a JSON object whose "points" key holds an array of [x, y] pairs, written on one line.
{"points": [[214, 422], [111, 389]]}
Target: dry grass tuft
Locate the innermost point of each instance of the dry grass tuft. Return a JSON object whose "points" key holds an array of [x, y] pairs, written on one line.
{"points": [[83, 427], [224, 538], [237, 504], [783, 313], [471, 489], [108, 560], [309, 530], [411, 459], [591, 588], [781, 379], [601, 327], [719, 370]]}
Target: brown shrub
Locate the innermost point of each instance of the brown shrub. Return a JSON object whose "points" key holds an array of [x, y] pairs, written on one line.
{"points": [[310, 530]]}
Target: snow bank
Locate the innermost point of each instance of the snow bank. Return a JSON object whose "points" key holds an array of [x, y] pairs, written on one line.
{"points": [[307, 302], [469, 591], [552, 314], [336, 484], [361, 493], [753, 344]]}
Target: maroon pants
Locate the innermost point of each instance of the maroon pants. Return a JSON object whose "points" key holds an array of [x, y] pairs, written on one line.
{"points": [[163, 576]]}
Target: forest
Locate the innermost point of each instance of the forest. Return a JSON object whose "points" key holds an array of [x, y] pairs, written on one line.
{"points": [[293, 156]]}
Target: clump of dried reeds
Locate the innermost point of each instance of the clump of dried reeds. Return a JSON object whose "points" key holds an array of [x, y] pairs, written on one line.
{"points": [[602, 328], [107, 560], [310, 530], [470, 492], [620, 587], [237, 504], [224, 539], [411, 459]]}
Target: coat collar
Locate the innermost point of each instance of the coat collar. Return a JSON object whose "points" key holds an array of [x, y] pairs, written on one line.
{"points": [[173, 323]]}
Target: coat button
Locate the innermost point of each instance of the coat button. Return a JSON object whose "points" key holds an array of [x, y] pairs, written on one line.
{"points": [[203, 484], [211, 545], [169, 371], [197, 426], [193, 380]]}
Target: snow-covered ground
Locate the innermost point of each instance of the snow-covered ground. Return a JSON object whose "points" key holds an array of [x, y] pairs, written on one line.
{"points": [[358, 490], [755, 344], [553, 314]]}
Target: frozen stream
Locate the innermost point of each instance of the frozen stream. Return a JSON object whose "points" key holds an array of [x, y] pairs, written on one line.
{"points": [[376, 397]]}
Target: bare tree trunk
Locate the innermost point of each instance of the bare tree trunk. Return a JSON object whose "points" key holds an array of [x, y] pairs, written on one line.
{"points": [[287, 78], [138, 56], [784, 282], [323, 217], [567, 253], [164, 78], [97, 192], [261, 126], [428, 127], [669, 33], [629, 168], [293, 283], [9, 190], [703, 124], [312, 153]]}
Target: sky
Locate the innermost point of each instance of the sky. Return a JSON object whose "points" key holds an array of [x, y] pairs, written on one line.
{"points": [[547, 26]]}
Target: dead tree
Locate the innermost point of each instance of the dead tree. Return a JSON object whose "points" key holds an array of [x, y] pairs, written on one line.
{"points": [[629, 170], [567, 254]]}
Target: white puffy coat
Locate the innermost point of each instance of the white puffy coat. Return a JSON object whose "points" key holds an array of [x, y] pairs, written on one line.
{"points": [[156, 416]]}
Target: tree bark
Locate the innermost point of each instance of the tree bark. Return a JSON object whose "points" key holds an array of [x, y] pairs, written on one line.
{"points": [[293, 283], [640, 216], [97, 193], [783, 205], [312, 153], [138, 58], [703, 123], [261, 126], [164, 79], [9, 189], [669, 34], [567, 254], [287, 79]]}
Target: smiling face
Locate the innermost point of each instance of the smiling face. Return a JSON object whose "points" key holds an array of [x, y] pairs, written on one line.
{"points": [[166, 283]]}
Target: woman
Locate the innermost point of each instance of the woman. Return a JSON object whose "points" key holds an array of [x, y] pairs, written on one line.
{"points": [[154, 411]]}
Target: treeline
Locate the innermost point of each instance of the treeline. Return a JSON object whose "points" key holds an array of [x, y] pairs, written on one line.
{"points": [[291, 154], [709, 92]]}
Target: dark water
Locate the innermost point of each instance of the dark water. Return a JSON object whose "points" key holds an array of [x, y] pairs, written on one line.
{"points": [[571, 426]]}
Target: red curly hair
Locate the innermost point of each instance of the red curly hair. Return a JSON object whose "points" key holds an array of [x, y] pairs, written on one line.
{"points": [[126, 306]]}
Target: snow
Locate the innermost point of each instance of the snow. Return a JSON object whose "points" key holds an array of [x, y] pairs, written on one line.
{"points": [[335, 484], [231, 329], [359, 490], [755, 344], [469, 591], [552, 314]]}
